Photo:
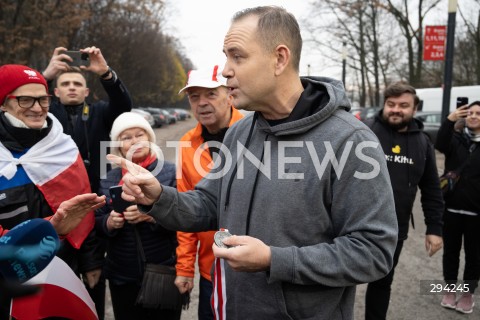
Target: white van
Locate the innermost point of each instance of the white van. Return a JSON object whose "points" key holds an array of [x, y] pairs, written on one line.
{"points": [[432, 97]]}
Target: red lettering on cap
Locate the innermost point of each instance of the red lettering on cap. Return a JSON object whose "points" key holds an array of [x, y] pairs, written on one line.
{"points": [[214, 76]]}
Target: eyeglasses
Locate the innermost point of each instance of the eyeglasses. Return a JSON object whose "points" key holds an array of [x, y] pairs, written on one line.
{"points": [[26, 102]]}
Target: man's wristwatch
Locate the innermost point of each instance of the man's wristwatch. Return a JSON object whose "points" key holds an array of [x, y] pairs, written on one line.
{"points": [[106, 74]]}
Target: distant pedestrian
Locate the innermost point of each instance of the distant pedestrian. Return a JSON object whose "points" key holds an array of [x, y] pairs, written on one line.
{"points": [[412, 165], [459, 139]]}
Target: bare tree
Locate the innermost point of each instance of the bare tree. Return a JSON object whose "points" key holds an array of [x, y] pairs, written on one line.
{"points": [[413, 32], [29, 30], [469, 47], [129, 33], [369, 54]]}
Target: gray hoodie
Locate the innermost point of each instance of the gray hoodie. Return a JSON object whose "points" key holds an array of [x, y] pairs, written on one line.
{"points": [[322, 201]]}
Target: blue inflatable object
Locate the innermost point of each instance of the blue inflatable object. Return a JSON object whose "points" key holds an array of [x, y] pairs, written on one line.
{"points": [[27, 249]]}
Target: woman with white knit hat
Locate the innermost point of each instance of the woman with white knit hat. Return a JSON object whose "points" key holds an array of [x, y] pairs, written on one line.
{"points": [[133, 138]]}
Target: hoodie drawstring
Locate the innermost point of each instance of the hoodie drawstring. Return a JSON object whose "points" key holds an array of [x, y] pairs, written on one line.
{"points": [[247, 143], [250, 204]]}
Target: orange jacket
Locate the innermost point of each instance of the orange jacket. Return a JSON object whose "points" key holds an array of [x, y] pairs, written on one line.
{"points": [[188, 242]]}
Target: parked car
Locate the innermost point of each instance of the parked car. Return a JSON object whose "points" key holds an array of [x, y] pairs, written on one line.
{"points": [[159, 117], [173, 112], [431, 122], [184, 114], [364, 113], [146, 115], [171, 119]]}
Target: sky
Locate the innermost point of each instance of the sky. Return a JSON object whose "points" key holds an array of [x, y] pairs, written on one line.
{"points": [[201, 25]]}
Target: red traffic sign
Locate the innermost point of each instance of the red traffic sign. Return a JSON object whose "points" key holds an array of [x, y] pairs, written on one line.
{"points": [[434, 43]]}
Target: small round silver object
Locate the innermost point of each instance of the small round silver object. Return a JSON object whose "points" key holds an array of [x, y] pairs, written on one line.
{"points": [[219, 236]]}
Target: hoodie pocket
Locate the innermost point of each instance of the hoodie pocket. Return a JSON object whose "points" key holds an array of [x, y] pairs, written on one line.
{"points": [[313, 301]]}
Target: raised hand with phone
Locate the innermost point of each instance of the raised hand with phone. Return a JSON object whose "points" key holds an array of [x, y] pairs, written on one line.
{"points": [[88, 59], [461, 111]]}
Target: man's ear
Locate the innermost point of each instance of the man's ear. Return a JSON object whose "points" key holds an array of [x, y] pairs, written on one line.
{"points": [[87, 92], [283, 56], [55, 91], [3, 108]]}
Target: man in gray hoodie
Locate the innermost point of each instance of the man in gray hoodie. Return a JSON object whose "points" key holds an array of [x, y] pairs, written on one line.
{"points": [[303, 187]]}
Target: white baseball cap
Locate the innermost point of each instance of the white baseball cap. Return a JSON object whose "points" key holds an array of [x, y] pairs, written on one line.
{"points": [[205, 78]]}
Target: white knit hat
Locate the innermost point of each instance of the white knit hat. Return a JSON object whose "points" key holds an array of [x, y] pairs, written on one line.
{"points": [[129, 120], [205, 78]]}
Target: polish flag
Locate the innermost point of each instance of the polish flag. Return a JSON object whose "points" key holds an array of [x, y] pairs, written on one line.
{"points": [[62, 295], [55, 166]]}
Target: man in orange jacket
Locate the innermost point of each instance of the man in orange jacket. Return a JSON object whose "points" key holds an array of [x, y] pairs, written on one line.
{"points": [[212, 107]]}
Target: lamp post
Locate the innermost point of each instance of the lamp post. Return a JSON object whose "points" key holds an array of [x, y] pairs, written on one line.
{"points": [[447, 80], [308, 69], [344, 62]]}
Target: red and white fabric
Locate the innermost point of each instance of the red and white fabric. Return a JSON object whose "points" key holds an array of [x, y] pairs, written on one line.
{"points": [[55, 166], [63, 295]]}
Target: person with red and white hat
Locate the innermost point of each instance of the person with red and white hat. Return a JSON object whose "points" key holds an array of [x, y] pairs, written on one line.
{"points": [[41, 171], [212, 107]]}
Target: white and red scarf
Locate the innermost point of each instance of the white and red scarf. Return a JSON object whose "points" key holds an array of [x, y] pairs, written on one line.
{"points": [[56, 167]]}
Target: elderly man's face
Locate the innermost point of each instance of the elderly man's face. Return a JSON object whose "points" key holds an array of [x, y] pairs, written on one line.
{"points": [[211, 107], [33, 117]]}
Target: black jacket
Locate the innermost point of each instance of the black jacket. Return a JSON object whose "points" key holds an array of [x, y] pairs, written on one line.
{"points": [[21, 196], [88, 133], [458, 149], [411, 164], [123, 264]]}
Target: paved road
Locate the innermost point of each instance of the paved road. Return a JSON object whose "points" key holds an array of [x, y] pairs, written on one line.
{"points": [[414, 265]]}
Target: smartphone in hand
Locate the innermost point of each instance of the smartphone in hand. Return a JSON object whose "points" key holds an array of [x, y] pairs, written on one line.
{"points": [[118, 203], [461, 101], [78, 58]]}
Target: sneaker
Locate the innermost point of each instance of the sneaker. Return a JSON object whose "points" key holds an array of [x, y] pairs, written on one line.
{"points": [[448, 300], [465, 303]]}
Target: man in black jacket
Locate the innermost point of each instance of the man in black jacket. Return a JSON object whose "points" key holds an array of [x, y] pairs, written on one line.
{"points": [[88, 124], [411, 164]]}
